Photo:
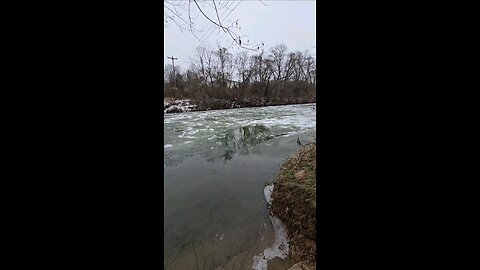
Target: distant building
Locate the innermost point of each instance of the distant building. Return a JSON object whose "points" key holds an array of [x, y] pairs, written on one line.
{"points": [[232, 83]]}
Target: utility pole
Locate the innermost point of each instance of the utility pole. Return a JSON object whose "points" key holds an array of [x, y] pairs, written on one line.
{"points": [[173, 63]]}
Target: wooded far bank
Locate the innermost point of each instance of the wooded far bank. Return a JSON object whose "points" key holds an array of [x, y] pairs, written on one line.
{"points": [[218, 79]]}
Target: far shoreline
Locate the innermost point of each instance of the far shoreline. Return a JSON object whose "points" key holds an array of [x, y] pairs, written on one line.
{"points": [[188, 105]]}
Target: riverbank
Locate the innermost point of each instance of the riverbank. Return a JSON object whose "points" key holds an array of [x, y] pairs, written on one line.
{"points": [[187, 105], [294, 202]]}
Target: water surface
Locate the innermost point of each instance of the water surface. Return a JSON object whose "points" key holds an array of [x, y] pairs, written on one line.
{"points": [[216, 165]]}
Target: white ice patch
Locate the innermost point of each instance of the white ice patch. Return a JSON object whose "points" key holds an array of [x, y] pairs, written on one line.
{"points": [[267, 191], [289, 134], [193, 132], [280, 246], [167, 146], [219, 237]]}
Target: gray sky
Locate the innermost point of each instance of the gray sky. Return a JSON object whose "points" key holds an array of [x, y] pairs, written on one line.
{"points": [[289, 22]]}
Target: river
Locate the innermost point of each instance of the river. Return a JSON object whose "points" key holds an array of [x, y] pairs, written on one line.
{"points": [[216, 164]]}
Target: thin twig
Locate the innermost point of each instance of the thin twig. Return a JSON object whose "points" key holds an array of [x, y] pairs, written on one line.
{"points": [[191, 23], [225, 29]]}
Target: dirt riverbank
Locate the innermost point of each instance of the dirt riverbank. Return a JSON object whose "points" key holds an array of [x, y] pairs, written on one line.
{"points": [[294, 202]]}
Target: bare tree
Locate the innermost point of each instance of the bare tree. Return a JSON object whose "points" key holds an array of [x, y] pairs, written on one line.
{"points": [[222, 58], [298, 66], [241, 64], [210, 66], [278, 78], [169, 71], [199, 67], [309, 68], [289, 65], [278, 54]]}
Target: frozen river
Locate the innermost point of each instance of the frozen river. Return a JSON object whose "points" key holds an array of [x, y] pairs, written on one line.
{"points": [[216, 164]]}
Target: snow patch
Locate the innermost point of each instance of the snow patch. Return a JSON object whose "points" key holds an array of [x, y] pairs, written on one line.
{"points": [[267, 191], [280, 246], [177, 106]]}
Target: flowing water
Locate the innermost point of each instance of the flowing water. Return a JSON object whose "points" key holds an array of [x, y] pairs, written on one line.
{"points": [[216, 164]]}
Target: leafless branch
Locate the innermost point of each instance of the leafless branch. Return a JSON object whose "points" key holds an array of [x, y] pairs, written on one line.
{"points": [[176, 14], [225, 29], [172, 13], [206, 15], [218, 17], [191, 23], [173, 19], [263, 3], [168, 2]]}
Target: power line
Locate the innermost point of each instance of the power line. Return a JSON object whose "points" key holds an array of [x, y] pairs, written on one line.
{"points": [[175, 43], [176, 49], [190, 49], [212, 28], [225, 18], [185, 45]]}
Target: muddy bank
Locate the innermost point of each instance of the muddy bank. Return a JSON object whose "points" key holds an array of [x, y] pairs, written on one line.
{"points": [[294, 202]]}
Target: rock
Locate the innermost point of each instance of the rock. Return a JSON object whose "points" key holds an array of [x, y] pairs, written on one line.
{"points": [[173, 109], [298, 141], [300, 175], [276, 264]]}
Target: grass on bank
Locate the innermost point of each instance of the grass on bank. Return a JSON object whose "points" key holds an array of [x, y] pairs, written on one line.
{"points": [[294, 202]]}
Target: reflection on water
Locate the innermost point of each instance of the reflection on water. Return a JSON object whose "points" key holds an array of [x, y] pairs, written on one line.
{"points": [[239, 141], [243, 138]]}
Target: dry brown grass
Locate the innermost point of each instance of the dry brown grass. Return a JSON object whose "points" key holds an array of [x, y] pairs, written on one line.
{"points": [[294, 202]]}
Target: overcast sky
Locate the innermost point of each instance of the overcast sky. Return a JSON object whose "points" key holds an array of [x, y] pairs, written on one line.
{"points": [[289, 22]]}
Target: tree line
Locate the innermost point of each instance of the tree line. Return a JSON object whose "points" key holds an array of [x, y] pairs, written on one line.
{"points": [[271, 77]]}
